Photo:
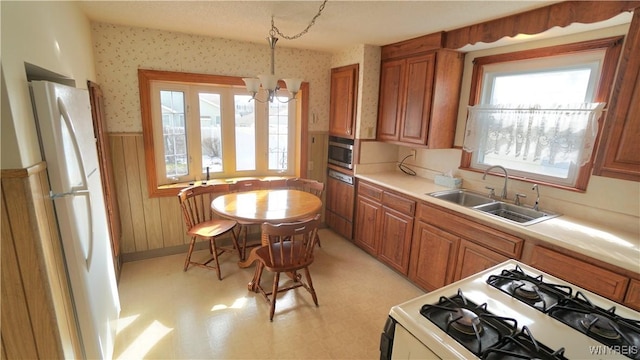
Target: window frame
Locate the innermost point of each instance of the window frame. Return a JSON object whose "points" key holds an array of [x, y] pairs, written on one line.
{"points": [[612, 47], [145, 79]]}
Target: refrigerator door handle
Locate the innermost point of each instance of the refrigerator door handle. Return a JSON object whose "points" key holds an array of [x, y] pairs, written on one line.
{"points": [[81, 189], [74, 141], [54, 196]]}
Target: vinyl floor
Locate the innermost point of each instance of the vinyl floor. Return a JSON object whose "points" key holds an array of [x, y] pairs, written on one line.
{"points": [[170, 314]]}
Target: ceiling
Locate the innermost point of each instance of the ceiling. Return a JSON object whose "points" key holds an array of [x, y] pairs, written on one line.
{"points": [[342, 24]]}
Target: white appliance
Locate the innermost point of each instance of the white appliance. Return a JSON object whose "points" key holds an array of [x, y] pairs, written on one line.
{"points": [[511, 301], [68, 145]]}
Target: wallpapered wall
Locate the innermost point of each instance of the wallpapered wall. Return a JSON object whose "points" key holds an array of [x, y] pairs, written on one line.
{"points": [[120, 51]]}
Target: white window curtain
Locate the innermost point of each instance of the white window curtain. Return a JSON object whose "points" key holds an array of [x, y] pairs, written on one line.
{"points": [[533, 133]]}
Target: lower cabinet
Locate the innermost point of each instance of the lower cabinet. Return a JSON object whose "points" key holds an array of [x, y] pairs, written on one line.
{"points": [[433, 257], [588, 276], [444, 247], [384, 225], [447, 247], [395, 239], [368, 215], [473, 258], [632, 299]]}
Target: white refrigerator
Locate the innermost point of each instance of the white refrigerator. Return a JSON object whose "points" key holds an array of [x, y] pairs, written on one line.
{"points": [[68, 145]]}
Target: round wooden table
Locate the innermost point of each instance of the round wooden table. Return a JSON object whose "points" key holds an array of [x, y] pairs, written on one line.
{"points": [[272, 206]]}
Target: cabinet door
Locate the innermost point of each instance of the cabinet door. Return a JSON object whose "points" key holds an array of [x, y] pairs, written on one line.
{"points": [[433, 257], [416, 113], [392, 75], [395, 239], [474, 258], [368, 215], [609, 284], [344, 83], [619, 155], [632, 299]]}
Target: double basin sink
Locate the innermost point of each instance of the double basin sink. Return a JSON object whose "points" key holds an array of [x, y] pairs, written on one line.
{"points": [[515, 213]]}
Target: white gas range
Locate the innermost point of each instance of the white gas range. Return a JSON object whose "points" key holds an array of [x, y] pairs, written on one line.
{"points": [[496, 313]]}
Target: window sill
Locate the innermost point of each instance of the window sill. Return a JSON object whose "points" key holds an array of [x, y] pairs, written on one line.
{"points": [[173, 189]]}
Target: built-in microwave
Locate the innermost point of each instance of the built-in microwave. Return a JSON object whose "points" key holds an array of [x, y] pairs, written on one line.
{"points": [[341, 152]]}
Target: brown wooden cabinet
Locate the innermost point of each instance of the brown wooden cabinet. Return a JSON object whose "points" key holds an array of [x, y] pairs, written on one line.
{"points": [[419, 95], [632, 299], [342, 102], [368, 215], [339, 207], [395, 239], [473, 258], [588, 276], [433, 257], [618, 154], [448, 247], [384, 225]]}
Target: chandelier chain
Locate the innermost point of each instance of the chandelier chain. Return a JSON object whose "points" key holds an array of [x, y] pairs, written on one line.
{"points": [[275, 30]]}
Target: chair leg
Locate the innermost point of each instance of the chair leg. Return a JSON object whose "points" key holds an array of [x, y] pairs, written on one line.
{"points": [[310, 283], [274, 294], [242, 241], [236, 245], [318, 240], [188, 259], [215, 257]]}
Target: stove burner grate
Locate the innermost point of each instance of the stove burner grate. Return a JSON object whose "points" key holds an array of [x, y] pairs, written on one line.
{"points": [[533, 291], [469, 324], [599, 324], [522, 346], [465, 321]]}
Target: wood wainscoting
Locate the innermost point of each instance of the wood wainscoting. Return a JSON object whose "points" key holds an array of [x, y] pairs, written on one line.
{"points": [[146, 223], [37, 313]]}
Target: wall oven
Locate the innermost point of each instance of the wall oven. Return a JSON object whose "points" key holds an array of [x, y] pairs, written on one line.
{"points": [[341, 152]]}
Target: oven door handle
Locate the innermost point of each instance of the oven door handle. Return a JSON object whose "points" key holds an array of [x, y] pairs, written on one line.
{"points": [[386, 339]]}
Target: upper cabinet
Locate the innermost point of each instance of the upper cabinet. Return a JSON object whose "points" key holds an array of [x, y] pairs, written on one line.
{"points": [[344, 89], [419, 93], [619, 151]]}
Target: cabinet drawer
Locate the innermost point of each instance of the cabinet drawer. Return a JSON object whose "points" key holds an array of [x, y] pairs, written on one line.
{"points": [[490, 238], [593, 278], [632, 299], [399, 203], [370, 191]]}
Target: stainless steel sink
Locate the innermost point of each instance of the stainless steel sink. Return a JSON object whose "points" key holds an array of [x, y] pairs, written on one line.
{"points": [[462, 197], [519, 214], [515, 213]]}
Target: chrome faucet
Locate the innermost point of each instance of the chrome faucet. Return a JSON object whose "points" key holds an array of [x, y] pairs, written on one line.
{"points": [[535, 187], [506, 177]]}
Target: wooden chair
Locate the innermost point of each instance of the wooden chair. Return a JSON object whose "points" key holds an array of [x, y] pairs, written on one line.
{"points": [[289, 249], [309, 185], [243, 226], [195, 202]]}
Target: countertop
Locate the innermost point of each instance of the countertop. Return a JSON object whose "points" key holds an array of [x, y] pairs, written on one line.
{"points": [[606, 244]]}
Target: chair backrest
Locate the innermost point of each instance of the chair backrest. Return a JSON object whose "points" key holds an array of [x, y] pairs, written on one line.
{"points": [[195, 202], [249, 184], [291, 244], [309, 185]]}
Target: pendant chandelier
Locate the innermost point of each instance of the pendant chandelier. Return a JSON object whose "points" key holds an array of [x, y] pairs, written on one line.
{"points": [[269, 82]]}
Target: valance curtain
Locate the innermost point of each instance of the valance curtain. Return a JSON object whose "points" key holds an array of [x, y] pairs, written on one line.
{"points": [[533, 133]]}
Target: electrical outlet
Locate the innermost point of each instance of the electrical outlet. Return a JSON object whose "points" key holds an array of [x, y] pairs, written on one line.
{"points": [[414, 154]]}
